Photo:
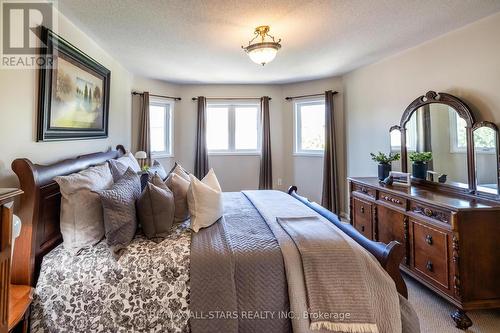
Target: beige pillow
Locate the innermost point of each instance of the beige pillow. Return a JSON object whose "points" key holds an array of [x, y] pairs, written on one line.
{"points": [[180, 171], [81, 220], [204, 201], [155, 209], [179, 187]]}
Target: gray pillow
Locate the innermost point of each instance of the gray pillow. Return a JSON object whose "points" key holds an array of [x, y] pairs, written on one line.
{"points": [[118, 203], [157, 169], [155, 209], [119, 166], [81, 220]]}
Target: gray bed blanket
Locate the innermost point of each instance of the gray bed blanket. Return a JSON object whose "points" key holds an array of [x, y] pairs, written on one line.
{"points": [[245, 269], [332, 303], [238, 281], [381, 291]]}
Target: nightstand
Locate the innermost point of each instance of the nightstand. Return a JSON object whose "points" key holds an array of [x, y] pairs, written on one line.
{"points": [[20, 298], [7, 196]]}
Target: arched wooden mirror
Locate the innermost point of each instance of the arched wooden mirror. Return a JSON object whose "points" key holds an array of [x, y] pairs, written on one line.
{"points": [[395, 145], [436, 141], [486, 145]]}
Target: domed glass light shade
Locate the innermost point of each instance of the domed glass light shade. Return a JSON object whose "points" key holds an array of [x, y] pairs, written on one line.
{"points": [[264, 51]]}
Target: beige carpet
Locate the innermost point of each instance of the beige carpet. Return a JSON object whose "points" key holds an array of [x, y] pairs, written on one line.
{"points": [[434, 313]]}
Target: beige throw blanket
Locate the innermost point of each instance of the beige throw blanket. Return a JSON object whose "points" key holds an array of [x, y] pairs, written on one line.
{"points": [[382, 295], [329, 262]]}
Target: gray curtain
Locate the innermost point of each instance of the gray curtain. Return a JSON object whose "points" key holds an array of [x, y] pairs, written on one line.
{"points": [[144, 130], [266, 167], [330, 197], [201, 157]]}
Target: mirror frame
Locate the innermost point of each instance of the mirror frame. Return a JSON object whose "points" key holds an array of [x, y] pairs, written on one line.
{"points": [[494, 127], [464, 112]]}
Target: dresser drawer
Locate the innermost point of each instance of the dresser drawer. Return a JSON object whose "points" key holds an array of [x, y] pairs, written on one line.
{"points": [[362, 217], [392, 199], [440, 215], [431, 252], [364, 190]]}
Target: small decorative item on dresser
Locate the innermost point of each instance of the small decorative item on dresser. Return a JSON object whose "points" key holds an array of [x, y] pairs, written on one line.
{"points": [[384, 163], [419, 166], [400, 178]]}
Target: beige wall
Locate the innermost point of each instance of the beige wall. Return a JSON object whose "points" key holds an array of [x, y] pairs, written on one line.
{"points": [[371, 99], [234, 172], [18, 107], [465, 63], [242, 172]]}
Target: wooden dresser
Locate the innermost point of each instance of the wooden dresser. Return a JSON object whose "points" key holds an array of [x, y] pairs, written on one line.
{"points": [[452, 241]]}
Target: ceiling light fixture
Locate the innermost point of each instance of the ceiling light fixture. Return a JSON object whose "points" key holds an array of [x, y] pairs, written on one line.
{"points": [[264, 51]]}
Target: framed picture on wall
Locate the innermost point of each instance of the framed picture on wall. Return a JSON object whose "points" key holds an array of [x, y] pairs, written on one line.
{"points": [[73, 93]]}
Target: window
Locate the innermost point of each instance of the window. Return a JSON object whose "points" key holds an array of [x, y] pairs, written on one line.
{"points": [[309, 127], [458, 135], [160, 116], [233, 128]]}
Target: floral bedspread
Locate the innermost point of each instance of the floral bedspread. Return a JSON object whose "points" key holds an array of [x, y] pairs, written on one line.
{"points": [[145, 290]]}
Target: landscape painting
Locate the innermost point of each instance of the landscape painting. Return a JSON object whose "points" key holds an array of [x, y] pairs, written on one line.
{"points": [[76, 98], [74, 93]]}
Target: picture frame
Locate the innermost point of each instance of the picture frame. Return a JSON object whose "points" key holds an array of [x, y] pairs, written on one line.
{"points": [[73, 93], [400, 178]]}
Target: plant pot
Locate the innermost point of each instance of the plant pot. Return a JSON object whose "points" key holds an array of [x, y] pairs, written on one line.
{"points": [[419, 170], [383, 171]]}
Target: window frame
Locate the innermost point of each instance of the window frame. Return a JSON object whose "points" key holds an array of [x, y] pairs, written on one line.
{"points": [[454, 148], [231, 106], [168, 105], [297, 130]]}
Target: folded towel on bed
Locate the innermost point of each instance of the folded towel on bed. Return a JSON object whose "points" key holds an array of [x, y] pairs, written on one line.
{"points": [[336, 300]]}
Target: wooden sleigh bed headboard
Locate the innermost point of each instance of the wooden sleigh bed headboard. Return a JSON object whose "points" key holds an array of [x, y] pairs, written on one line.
{"points": [[40, 210]]}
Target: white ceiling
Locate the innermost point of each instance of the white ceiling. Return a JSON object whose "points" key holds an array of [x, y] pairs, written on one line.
{"points": [[190, 41]]}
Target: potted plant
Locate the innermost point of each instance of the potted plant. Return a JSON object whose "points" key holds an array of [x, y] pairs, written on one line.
{"points": [[384, 163], [419, 166]]}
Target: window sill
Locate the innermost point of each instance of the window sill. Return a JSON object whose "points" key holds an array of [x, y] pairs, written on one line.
{"points": [[161, 155], [303, 154], [234, 153]]}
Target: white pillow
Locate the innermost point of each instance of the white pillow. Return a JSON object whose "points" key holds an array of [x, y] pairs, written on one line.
{"points": [[204, 201]]}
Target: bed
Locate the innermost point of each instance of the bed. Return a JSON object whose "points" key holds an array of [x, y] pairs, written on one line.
{"points": [[94, 292]]}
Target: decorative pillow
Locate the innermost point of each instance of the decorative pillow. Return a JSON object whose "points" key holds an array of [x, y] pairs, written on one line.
{"points": [[118, 203], [205, 201], [119, 166], [82, 221], [157, 169], [180, 171], [155, 209], [179, 187]]}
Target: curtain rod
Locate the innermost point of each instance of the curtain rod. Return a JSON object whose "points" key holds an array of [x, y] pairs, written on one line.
{"points": [[312, 95], [169, 97], [230, 98]]}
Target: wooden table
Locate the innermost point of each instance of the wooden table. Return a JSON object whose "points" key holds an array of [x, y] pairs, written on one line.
{"points": [[20, 298]]}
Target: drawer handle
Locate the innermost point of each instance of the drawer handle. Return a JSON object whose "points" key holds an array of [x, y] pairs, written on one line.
{"points": [[387, 198], [428, 239], [362, 228], [428, 212], [362, 209], [429, 266]]}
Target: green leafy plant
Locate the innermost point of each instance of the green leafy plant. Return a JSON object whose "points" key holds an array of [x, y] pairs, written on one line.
{"points": [[422, 157], [383, 158]]}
